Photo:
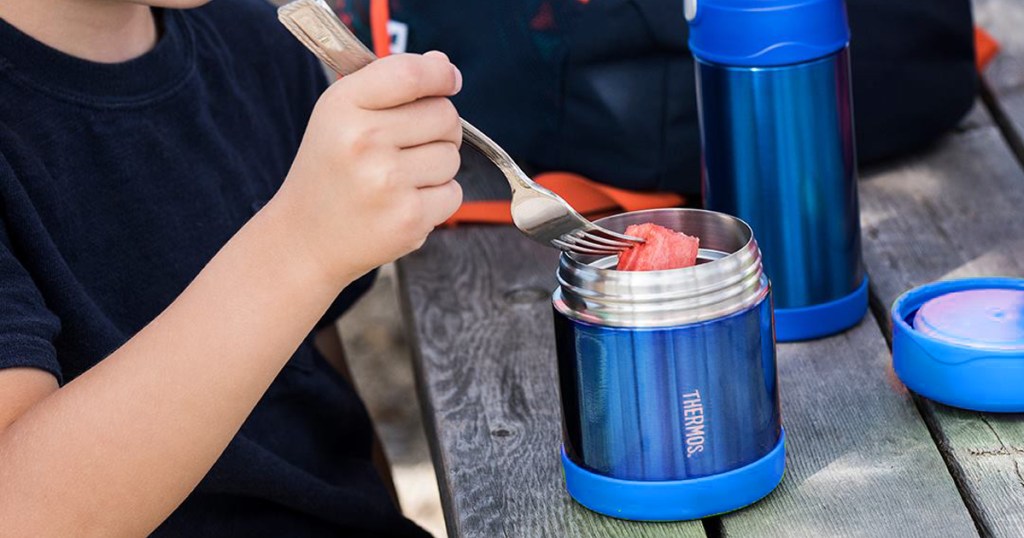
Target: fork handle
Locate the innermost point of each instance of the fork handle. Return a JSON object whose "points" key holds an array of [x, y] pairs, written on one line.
{"points": [[317, 27]]}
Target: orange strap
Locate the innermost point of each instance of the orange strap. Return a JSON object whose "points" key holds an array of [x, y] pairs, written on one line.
{"points": [[379, 15], [588, 197], [985, 48]]}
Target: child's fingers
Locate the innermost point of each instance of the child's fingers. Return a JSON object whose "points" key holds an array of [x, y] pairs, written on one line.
{"points": [[440, 201], [431, 164], [403, 78], [426, 120]]}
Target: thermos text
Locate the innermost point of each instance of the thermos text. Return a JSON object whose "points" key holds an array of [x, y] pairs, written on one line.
{"points": [[693, 422]]}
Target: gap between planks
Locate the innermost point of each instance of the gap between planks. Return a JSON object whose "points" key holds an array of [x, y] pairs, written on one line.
{"points": [[880, 312]]}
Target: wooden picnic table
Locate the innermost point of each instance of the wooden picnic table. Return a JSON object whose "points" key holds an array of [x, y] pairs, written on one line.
{"points": [[865, 456]]}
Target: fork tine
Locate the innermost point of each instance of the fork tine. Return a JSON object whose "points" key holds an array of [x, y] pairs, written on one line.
{"points": [[583, 240], [584, 235], [614, 235], [588, 252], [584, 250], [577, 249]]}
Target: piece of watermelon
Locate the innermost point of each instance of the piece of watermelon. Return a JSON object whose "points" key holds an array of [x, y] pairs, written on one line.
{"points": [[663, 249]]}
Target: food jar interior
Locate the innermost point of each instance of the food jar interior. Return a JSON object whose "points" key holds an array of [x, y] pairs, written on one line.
{"points": [[728, 279]]}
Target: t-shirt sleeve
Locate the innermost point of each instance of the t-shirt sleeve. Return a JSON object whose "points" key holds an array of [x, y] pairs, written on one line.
{"points": [[27, 327]]}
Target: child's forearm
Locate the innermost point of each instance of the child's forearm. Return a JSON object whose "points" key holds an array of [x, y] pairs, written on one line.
{"points": [[117, 450]]}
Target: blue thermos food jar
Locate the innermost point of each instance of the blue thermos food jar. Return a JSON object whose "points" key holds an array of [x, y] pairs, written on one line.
{"points": [[670, 401], [773, 79]]}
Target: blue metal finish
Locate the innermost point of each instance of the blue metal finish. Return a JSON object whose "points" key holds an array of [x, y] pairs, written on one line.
{"points": [[779, 153], [670, 403]]}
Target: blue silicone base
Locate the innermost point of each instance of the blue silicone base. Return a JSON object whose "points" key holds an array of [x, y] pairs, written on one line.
{"points": [[975, 378], [816, 321], [676, 500]]}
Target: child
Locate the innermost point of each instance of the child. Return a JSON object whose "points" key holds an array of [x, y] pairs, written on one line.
{"points": [[159, 283]]}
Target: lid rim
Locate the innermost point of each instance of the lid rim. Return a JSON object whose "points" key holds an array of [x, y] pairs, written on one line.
{"points": [[966, 377], [724, 284]]}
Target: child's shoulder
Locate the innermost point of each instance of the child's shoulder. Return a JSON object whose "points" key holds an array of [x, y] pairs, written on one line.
{"points": [[255, 19], [251, 29], [256, 48]]}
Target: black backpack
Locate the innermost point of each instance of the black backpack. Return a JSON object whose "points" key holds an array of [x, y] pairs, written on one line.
{"points": [[605, 88]]}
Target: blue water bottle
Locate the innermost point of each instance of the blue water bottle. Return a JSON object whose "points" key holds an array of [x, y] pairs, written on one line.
{"points": [[778, 151]]}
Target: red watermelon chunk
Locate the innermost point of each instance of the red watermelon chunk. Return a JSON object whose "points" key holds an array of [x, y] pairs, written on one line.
{"points": [[663, 249]]}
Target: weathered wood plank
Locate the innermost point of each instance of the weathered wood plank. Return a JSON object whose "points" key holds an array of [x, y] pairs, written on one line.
{"points": [[860, 460], [1004, 20], [1004, 78], [478, 304], [503, 281], [955, 212], [832, 487]]}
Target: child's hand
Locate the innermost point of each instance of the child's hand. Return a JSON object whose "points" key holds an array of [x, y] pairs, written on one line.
{"points": [[374, 174]]}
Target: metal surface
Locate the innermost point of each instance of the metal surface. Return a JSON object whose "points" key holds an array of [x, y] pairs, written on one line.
{"points": [[536, 211], [673, 403], [668, 375], [779, 153], [728, 277]]}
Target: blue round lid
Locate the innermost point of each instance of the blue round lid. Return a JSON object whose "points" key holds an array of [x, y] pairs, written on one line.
{"points": [[752, 33], [961, 342]]}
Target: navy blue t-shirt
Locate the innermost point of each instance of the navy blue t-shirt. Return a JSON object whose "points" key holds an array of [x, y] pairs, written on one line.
{"points": [[118, 183]]}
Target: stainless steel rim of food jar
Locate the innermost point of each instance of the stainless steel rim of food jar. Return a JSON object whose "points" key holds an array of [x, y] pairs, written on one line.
{"points": [[727, 279]]}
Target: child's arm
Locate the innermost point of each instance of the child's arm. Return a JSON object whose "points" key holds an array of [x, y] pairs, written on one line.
{"points": [[115, 451]]}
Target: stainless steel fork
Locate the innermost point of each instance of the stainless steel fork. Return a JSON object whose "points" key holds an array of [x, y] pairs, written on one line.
{"points": [[536, 211]]}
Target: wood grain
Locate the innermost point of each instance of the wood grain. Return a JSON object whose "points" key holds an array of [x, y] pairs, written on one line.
{"points": [[477, 301], [1003, 80], [956, 212], [478, 305], [860, 462], [1004, 20]]}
